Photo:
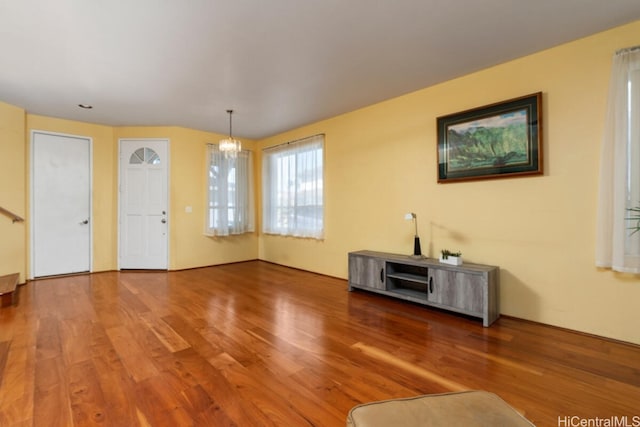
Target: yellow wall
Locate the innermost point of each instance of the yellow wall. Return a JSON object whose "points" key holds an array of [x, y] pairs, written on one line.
{"points": [[381, 162], [188, 246], [13, 165]]}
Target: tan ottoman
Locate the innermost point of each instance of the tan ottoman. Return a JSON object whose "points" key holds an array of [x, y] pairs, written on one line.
{"points": [[466, 408]]}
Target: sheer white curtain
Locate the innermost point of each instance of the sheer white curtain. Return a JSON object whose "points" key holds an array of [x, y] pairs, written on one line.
{"points": [[293, 199], [617, 246], [230, 207]]}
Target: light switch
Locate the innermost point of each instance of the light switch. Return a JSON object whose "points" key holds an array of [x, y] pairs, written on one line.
{"points": [[188, 209]]}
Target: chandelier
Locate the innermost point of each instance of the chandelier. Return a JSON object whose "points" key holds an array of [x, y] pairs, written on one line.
{"points": [[230, 146]]}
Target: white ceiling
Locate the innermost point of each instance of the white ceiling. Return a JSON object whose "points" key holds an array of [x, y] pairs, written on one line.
{"points": [[279, 64]]}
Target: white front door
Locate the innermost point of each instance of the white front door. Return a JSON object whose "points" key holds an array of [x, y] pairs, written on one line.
{"points": [[144, 166], [60, 204]]}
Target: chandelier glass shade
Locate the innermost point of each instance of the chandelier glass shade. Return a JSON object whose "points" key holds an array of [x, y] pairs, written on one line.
{"points": [[230, 146]]}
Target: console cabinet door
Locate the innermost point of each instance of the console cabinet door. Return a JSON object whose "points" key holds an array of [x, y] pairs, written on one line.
{"points": [[461, 291], [366, 272]]}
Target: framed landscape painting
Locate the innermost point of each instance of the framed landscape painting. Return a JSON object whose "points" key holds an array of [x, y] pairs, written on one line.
{"points": [[494, 141]]}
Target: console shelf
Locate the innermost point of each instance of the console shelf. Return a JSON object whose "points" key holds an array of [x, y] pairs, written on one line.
{"points": [[408, 277], [470, 289], [410, 293]]}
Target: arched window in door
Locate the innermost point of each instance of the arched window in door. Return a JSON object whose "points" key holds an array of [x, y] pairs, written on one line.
{"points": [[144, 155]]}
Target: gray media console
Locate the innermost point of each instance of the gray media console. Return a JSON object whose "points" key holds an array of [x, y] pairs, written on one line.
{"points": [[470, 289]]}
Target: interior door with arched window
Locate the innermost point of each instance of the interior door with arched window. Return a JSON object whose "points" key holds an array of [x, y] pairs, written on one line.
{"points": [[143, 201]]}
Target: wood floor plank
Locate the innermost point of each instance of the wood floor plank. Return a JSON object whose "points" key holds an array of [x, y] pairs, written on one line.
{"points": [[134, 357], [17, 379], [274, 408], [120, 396], [187, 329], [87, 400], [167, 336], [304, 389], [162, 400], [257, 344], [4, 355], [227, 400], [52, 401], [49, 344], [73, 339]]}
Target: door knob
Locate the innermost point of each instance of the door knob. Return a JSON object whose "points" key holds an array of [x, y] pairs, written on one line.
{"points": [[85, 222], [164, 221]]}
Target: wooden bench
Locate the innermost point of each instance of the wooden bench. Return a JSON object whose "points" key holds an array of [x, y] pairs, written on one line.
{"points": [[8, 286]]}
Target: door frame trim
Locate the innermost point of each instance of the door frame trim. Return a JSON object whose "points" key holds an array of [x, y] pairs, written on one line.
{"points": [[31, 210], [119, 207]]}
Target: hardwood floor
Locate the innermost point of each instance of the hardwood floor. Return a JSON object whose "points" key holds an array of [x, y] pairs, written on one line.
{"points": [[255, 344]]}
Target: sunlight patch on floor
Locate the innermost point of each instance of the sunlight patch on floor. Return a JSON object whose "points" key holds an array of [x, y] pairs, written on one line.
{"points": [[390, 359]]}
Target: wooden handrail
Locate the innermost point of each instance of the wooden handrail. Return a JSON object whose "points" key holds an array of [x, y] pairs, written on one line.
{"points": [[14, 217]]}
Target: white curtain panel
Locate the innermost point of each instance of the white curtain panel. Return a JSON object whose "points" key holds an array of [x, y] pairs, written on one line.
{"points": [[293, 188], [230, 208], [617, 246]]}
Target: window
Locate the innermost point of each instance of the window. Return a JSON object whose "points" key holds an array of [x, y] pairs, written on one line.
{"points": [[618, 237], [293, 188], [230, 207], [144, 155]]}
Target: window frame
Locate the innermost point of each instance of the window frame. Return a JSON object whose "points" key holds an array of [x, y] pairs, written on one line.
{"points": [[297, 211], [236, 201]]}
